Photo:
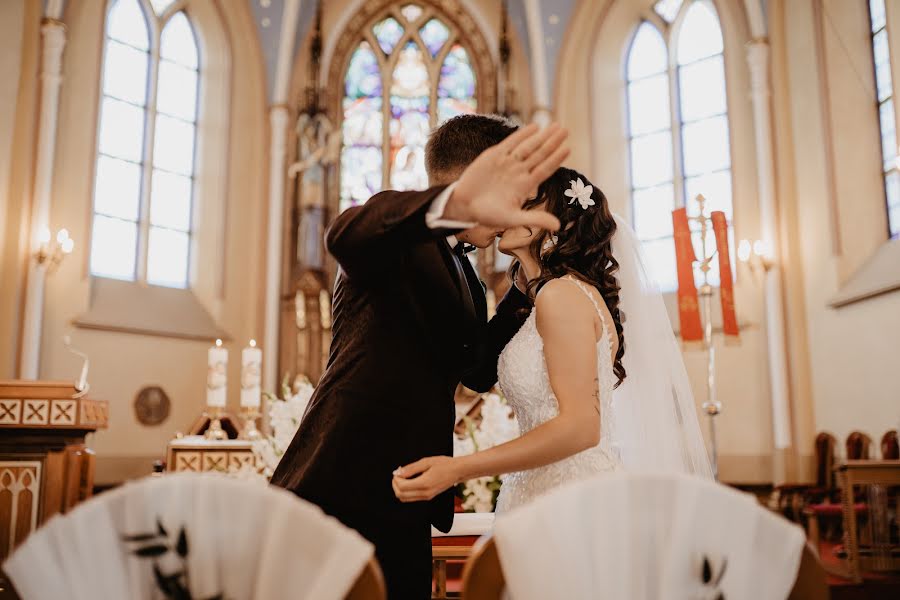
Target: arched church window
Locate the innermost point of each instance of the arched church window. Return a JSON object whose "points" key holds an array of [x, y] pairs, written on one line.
{"points": [[881, 56], [678, 127], [144, 178], [410, 72]]}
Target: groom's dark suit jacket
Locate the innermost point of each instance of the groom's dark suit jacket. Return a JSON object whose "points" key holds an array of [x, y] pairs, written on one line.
{"points": [[409, 324]]}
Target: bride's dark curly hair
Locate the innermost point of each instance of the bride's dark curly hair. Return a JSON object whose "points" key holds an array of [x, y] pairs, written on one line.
{"points": [[583, 247]]}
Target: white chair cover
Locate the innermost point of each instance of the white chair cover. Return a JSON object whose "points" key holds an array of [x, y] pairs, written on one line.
{"points": [[645, 537], [244, 540]]}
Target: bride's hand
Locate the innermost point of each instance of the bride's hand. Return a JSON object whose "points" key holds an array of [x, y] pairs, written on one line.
{"points": [[435, 474]]}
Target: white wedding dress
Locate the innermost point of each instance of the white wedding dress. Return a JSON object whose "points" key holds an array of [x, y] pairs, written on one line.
{"points": [[523, 377]]}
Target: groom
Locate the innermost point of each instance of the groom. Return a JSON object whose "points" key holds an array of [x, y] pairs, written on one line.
{"points": [[410, 324]]}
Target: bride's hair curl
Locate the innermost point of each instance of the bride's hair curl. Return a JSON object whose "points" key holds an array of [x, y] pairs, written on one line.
{"points": [[581, 248]]}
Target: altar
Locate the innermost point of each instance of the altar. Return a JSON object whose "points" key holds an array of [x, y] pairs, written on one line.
{"points": [[197, 454]]}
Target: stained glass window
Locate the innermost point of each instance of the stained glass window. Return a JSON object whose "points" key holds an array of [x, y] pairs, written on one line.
{"points": [[434, 34], [391, 99], [667, 9], [881, 56], [681, 149], [160, 6], [143, 193], [411, 12], [388, 33]]}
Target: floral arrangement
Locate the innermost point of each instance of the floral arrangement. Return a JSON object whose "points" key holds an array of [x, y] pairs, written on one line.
{"points": [[498, 425], [285, 414]]}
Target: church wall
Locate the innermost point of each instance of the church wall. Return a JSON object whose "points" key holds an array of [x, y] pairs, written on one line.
{"points": [[228, 264], [853, 350], [590, 87], [19, 60]]}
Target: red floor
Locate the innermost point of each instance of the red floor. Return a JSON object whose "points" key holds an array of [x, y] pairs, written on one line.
{"points": [[875, 585]]}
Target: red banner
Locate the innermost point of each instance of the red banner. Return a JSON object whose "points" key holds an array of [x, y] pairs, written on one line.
{"points": [[688, 305], [726, 282]]}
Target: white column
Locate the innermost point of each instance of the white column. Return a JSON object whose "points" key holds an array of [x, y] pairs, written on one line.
{"points": [[758, 59], [278, 122], [53, 40], [542, 114]]}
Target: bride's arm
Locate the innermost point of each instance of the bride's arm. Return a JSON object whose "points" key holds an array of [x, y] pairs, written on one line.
{"points": [[565, 320]]}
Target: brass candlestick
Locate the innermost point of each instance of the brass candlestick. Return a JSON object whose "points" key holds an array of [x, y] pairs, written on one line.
{"points": [[249, 431], [712, 407], [215, 431]]}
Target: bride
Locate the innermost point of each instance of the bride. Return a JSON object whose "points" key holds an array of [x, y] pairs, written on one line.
{"points": [[594, 376]]}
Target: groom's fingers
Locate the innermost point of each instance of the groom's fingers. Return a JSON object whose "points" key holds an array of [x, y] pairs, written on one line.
{"points": [[528, 146], [550, 144], [548, 166], [538, 219], [513, 140]]}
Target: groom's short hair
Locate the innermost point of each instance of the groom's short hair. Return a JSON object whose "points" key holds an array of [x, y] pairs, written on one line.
{"points": [[458, 141]]}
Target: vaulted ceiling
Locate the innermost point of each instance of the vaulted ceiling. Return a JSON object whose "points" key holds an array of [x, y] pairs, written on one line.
{"points": [[554, 17]]}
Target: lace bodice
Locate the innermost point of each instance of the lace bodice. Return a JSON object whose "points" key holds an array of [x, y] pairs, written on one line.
{"points": [[525, 381]]}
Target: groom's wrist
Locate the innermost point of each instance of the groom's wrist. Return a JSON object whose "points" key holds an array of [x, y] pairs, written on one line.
{"points": [[437, 218], [458, 207]]}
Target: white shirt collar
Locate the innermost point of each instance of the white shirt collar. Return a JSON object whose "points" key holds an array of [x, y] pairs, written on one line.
{"points": [[451, 239]]}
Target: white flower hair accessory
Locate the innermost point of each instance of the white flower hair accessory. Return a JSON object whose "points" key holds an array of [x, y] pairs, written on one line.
{"points": [[580, 192]]}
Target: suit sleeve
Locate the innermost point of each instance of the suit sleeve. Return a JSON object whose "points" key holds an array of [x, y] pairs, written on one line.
{"points": [[365, 238], [511, 314]]}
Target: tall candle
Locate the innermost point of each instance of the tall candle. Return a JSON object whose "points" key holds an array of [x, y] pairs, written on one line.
{"points": [[251, 369], [216, 375]]}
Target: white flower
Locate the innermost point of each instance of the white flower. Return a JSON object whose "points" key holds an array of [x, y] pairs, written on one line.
{"points": [[498, 425], [284, 420], [580, 192]]}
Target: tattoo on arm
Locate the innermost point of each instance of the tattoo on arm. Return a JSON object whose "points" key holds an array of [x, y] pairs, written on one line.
{"points": [[597, 393]]}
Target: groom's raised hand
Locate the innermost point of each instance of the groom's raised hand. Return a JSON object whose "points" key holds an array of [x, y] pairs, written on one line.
{"points": [[492, 190]]}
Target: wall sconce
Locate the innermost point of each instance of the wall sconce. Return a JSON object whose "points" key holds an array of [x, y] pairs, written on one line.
{"points": [[51, 252], [757, 255]]}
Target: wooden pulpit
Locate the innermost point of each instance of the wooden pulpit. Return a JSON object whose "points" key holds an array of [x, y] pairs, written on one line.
{"points": [[45, 466]]}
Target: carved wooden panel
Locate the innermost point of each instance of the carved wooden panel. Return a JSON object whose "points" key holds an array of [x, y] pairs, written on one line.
{"points": [[196, 454], [20, 482], [54, 413]]}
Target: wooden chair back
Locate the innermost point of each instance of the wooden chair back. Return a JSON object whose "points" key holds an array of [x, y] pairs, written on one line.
{"points": [[890, 448], [859, 446], [483, 577], [825, 459], [370, 584]]}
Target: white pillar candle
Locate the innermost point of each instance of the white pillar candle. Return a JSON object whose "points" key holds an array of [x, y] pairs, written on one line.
{"points": [[216, 375], [251, 372]]}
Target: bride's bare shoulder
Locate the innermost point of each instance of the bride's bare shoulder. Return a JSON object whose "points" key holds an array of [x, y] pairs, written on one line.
{"points": [[558, 301]]}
